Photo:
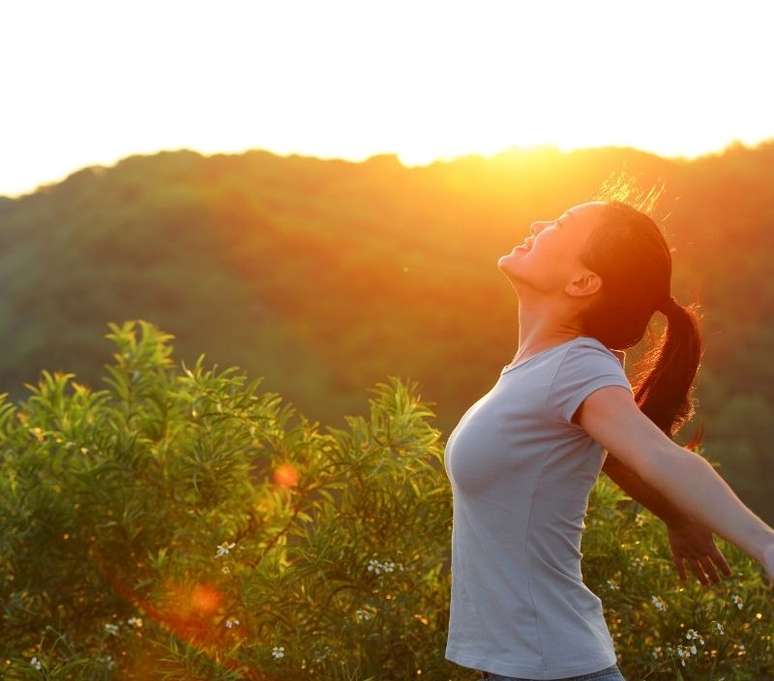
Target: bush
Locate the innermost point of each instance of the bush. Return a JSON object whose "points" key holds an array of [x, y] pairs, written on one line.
{"points": [[181, 525]]}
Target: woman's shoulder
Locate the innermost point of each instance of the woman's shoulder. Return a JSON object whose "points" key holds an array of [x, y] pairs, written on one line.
{"points": [[586, 343]]}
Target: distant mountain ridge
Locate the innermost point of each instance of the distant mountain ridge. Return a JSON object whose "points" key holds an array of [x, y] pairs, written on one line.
{"points": [[325, 276]]}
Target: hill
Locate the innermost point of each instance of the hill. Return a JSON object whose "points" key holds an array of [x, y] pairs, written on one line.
{"points": [[326, 276]]}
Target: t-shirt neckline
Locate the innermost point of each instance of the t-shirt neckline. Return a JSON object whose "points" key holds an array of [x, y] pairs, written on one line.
{"points": [[511, 367]]}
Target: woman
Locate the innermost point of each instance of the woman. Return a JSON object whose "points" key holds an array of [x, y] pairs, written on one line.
{"points": [[523, 458]]}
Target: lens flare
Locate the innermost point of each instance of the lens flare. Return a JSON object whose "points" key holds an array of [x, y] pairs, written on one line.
{"points": [[286, 475]]}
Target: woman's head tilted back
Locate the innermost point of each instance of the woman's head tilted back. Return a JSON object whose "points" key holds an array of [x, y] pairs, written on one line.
{"points": [[604, 268]]}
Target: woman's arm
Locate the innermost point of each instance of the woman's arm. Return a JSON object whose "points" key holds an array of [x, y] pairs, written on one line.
{"points": [[642, 492], [692, 544], [611, 416]]}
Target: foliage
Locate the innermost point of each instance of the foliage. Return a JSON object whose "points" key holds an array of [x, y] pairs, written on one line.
{"points": [[323, 276], [182, 525]]}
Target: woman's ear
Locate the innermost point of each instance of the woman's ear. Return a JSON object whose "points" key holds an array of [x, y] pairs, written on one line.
{"points": [[584, 283]]}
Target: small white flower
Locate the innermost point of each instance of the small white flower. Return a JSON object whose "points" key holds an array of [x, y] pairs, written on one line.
{"points": [[232, 622], [378, 567], [683, 653], [111, 629], [278, 652], [362, 615], [658, 602], [693, 634], [657, 652], [107, 660], [613, 585], [718, 627], [35, 662], [134, 622], [225, 569], [224, 549], [737, 599]]}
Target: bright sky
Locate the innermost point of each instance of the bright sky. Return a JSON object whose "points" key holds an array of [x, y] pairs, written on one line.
{"points": [[88, 83]]}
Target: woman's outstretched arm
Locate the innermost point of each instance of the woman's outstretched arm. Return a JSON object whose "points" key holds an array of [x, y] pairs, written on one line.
{"points": [[611, 416], [642, 492], [692, 544]]}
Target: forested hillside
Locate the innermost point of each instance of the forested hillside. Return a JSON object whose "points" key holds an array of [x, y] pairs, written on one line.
{"points": [[327, 276]]}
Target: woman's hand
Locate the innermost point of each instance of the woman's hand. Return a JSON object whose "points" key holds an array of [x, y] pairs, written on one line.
{"points": [[692, 543]]}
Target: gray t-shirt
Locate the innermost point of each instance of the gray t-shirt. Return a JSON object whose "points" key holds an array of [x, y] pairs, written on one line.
{"points": [[520, 474]]}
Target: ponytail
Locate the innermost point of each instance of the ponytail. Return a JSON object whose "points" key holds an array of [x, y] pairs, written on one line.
{"points": [[628, 251], [665, 375]]}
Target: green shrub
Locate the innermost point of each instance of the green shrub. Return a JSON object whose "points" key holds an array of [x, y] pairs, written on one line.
{"points": [[182, 525]]}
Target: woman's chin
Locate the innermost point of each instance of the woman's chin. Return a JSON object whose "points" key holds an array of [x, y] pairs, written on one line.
{"points": [[515, 265], [515, 255], [507, 265]]}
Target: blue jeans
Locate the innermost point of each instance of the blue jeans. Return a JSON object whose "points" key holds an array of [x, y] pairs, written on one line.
{"points": [[612, 673]]}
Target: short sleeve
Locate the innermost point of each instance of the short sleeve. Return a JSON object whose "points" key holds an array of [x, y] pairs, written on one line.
{"points": [[585, 367]]}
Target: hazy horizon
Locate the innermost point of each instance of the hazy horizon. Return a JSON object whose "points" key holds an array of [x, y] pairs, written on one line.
{"points": [[112, 162], [428, 81]]}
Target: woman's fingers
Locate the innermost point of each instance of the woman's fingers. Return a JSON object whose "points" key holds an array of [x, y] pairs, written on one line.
{"points": [[698, 570], [720, 561], [709, 568]]}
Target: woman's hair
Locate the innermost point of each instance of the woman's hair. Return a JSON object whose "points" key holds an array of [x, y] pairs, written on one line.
{"points": [[629, 252]]}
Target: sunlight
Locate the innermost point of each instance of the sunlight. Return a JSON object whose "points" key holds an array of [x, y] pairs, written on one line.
{"points": [[349, 80]]}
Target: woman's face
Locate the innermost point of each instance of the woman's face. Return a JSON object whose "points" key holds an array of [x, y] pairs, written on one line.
{"points": [[549, 259]]}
